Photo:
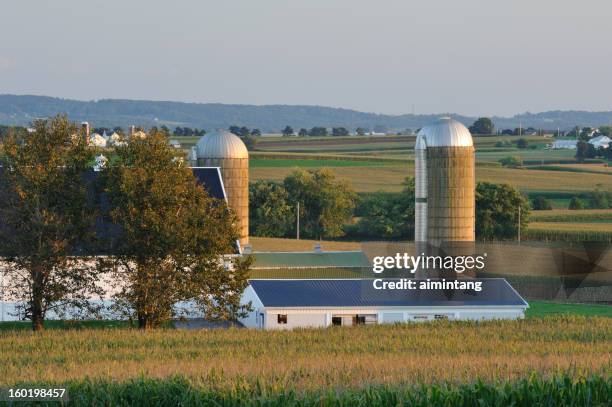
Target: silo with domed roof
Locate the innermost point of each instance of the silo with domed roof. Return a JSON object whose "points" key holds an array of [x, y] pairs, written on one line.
{"points": [[225, 150]]}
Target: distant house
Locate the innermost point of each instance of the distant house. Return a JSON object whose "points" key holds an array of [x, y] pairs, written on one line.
{"points": [[175, 143], [600, 141], [289, 304], [116, 139], [96, 140], [564, 144]]}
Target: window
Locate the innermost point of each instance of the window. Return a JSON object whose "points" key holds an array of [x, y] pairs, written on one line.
{"points": [[337, 321], [282, 318], [440, 316]]}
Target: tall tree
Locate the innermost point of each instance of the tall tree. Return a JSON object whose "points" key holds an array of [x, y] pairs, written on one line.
{"points": [[318, 132], [270, 211], [497, 211], [303, 132], [46, 220], [340, 132], [483, 125], [174, 237], [388, 215], [325, 204], [287, 131]]}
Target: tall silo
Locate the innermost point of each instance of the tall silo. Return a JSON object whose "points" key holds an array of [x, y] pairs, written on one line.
{"points": [[225, 150], [450, 183]]}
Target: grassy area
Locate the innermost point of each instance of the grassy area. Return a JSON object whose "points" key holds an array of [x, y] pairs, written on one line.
{"points": [[539, 309], [90, 324], [312, 359]]}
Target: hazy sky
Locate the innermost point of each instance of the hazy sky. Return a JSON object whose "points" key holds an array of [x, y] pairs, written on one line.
{"points": [[476, 57]]}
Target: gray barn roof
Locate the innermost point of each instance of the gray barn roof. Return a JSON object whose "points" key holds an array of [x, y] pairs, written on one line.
{"points": [[360, 293]]}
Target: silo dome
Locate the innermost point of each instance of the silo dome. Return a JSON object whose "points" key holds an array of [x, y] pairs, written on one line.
{"points": [[446, 132], [221, 144]]}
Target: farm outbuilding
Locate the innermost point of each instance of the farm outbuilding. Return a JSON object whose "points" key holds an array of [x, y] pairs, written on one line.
{"points": [[317, 303]]}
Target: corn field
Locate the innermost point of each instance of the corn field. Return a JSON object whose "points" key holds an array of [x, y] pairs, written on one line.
{"points": [[311, 359]]}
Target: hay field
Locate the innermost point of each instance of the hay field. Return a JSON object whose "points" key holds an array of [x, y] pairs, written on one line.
{"points": [[389, 178]]}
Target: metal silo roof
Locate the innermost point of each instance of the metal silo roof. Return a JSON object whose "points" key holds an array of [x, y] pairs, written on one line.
{"points": [[446, 132], [221, 144]]}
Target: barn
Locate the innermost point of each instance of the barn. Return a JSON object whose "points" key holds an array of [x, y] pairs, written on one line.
{"points": [[318, 303]]}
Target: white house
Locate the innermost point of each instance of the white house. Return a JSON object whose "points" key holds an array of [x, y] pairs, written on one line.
{"points": [[600, 141], [288, 304]]}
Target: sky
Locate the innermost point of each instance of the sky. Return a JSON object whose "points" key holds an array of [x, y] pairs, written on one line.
{"points": [[473, 57]]}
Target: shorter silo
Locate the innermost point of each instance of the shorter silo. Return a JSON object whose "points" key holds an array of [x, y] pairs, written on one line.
{"points": [[225, 150]]}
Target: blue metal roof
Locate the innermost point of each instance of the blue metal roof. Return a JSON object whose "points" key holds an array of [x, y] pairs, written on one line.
{"points": [[361, 293]]}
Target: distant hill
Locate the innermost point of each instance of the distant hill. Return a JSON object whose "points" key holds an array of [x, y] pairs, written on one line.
{"points": [[22, 109]]}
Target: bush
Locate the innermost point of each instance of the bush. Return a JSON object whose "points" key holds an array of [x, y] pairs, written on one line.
{"points": [[540, 203], [576, 203], [511, 162]]}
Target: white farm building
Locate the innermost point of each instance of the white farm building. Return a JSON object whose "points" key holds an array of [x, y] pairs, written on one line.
{"points": [[317, 303]]}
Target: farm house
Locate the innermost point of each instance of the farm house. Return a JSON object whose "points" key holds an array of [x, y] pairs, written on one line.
{"points": [[318, 303]]}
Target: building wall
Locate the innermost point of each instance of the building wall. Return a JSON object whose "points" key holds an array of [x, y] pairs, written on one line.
{"points": [[296, 320], [451, 194], [235, 173], [322, 317]]}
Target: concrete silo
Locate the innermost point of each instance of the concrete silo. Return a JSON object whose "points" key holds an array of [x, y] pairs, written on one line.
{"points": [[444, 183], [225, 150]]}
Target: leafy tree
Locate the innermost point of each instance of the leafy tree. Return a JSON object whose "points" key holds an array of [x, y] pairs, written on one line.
{"points": [[599, 199], [303, 132], [339, 132], [173, 237], [361, 131], [483, 125], [271, 214], [325, 204], [249, 141], [585, 133], [540, 203], [522, 143], [584, 150], [388, 216], [511, 162], [606, 130], [318, 132], [497, 209], [288, 131], [245, 135], [256, 133], [576, 203], [47, 219]]}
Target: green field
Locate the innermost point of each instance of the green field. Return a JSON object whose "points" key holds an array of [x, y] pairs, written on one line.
{"points": [[539, 309]]}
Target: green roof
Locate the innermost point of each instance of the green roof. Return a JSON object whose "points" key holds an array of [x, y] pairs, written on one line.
{"points": [[273, 260]]}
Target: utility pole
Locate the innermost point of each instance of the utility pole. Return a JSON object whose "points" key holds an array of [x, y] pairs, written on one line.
{"points": [[298, 221], [519, 224]]}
